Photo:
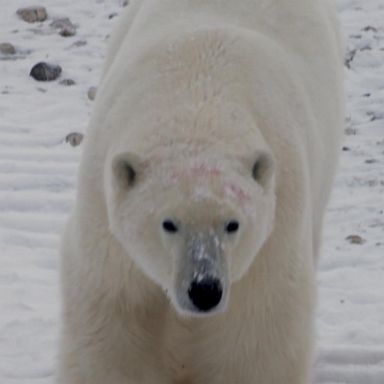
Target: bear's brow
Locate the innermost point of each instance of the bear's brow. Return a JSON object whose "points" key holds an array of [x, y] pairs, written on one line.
{"points": [[196, 170]]}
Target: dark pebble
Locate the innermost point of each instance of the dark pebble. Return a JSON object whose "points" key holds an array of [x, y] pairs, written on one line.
{"points": [[45, 72], [74, 139], [67, 82], [355, 239]]}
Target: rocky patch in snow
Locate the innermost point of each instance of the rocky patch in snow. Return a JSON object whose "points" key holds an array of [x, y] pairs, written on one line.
{"points": [[7, 49], [64, 26], [33, 14]]}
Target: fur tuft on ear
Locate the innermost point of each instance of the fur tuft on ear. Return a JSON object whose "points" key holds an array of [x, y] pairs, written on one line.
{"points": [[124, 170], [263, 169]]}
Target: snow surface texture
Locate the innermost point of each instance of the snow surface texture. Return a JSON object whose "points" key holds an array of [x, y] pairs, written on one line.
{"points": [[37, 184]]}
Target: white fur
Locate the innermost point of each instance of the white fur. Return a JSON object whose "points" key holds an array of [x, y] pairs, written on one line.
{"points": [[193, 93]]}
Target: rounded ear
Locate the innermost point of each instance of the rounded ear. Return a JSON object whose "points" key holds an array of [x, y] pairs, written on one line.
{"points": [[263, 169], [125, 168]]}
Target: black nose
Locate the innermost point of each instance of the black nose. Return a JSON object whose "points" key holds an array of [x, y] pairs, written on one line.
{"points": [[205, 294]]}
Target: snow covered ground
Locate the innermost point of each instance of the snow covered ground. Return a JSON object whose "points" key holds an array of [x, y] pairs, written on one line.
{"points": [[37, 183]]}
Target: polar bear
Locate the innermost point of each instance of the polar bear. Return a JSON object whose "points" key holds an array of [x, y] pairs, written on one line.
{"points": [[190, 255]]}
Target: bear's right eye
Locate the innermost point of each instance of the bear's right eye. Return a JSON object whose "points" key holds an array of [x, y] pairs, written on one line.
{"points": [[232, 226], [169, 226]]}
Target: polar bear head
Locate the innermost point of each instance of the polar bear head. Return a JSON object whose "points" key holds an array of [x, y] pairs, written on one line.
{"points": [[193, 223]]}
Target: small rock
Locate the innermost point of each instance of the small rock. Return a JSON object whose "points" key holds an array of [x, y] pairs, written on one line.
{"points": [[366, 48], [7, 49], [45, 71], [351, 131], [74, 139], [349, 57], [32, 14], [112, 15], [92, 93], [67, 82], [64, 26], [346, 149], [79, 43], [124, 3], [369, 28], [374, 116], [355, 239], [67, 32]]}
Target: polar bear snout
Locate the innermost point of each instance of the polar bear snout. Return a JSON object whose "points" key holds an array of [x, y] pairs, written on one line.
{"points": [[201, 281], [206, 294]]}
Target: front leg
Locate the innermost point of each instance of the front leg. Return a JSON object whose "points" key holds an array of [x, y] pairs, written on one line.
{"points": [[100, 360], [112, 320]]}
